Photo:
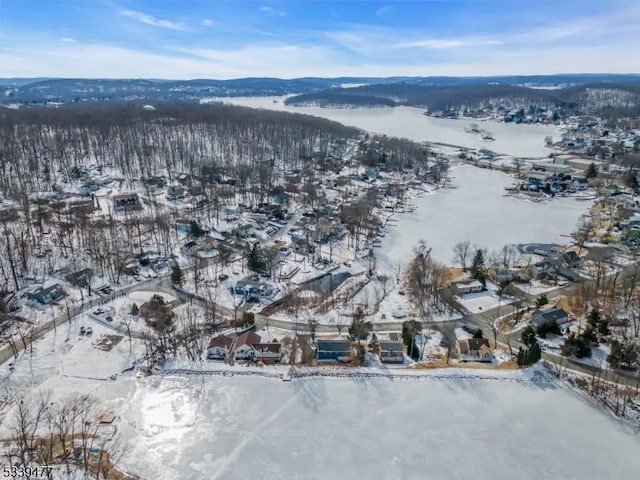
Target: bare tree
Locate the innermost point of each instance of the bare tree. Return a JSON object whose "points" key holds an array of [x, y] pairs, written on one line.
{"points": [[462, 252]]}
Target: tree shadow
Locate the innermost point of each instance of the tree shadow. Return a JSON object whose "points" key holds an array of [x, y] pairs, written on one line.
{"points": [[311, 391]]}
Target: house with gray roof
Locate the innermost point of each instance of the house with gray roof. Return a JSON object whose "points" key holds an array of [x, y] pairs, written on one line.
{"points": [[557, 315]]}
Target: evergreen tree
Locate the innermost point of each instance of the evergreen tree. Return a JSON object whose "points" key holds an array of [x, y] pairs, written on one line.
{"points": [[549, 326], [135, 310], [360, 327], [541, 301], [603, 327], [521, 357], [534, 353], [176, 275], [410, 329], [528, 336], [248, 319], [631, 181], [592, 171], [589, 334], [255, 259], [478, 266], [195, 230], [594, 317]]}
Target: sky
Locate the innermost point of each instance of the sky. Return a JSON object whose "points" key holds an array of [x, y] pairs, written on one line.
{"points": [[221, 39]]}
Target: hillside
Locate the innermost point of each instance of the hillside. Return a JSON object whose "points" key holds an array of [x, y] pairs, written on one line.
{"points": [[466, 99], [24, 91]]}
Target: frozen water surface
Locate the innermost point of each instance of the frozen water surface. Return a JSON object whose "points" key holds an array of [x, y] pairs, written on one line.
{"points": [[409, 122], [245, 428], [476, 210]]}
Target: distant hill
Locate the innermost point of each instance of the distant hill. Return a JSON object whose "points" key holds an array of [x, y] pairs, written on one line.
{"points": [[583, 98], [374, 90]]}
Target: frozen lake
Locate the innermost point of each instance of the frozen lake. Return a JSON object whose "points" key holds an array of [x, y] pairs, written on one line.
{"points": [[476, 210], [246, 428], [409, 122]]}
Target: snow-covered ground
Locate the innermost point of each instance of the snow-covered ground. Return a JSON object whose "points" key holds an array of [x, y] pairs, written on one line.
{"points": [[476, 210], [409, 122]]}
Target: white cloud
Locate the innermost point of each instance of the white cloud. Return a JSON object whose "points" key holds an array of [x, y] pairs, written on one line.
{"points": [[273, 12], [381, 12], [289, 61], [206, 22], [150, 20], [68, 40], [439, 43]]}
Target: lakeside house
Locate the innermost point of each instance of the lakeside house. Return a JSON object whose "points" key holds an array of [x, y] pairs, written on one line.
{"points": [[391, 352], [249, 346], [219, 347], [333, 351], [474, 350]]}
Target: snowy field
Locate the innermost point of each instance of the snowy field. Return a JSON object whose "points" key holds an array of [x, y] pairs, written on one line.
{"points": [[369, 428], [475, 210], [409, 122]]}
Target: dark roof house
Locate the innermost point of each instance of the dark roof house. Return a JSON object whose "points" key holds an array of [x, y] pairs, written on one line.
{"points": [[391, 352], [47, 296], [557, 315], [333, 350]]}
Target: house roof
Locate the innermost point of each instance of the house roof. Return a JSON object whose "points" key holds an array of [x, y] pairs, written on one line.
{"points": [[221, 341], [248, 338], [469, 284], [124, 195], [390, 346], [550, 315], [334, 345], [477, 343]]}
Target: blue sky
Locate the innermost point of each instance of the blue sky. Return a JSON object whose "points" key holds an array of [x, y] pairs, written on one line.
{"points": [[293, 38]]}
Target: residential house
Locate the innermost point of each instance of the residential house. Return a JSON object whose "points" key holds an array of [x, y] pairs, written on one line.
{"points": [[391, 352], [474, 350], [505, 275], [81, 205], [219, 347], [175, 192], [244, 231], [8, 214], [253, 287], [189, 249], [465, 287], [207, 244], [557, 315], [81, 278], [333, 350], [7, 301], [266, 352], [47, 296], [126, 201], [244, 345]]}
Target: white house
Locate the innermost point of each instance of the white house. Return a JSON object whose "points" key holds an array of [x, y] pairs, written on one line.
{"points": [[219, 347], [466, 287]]}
